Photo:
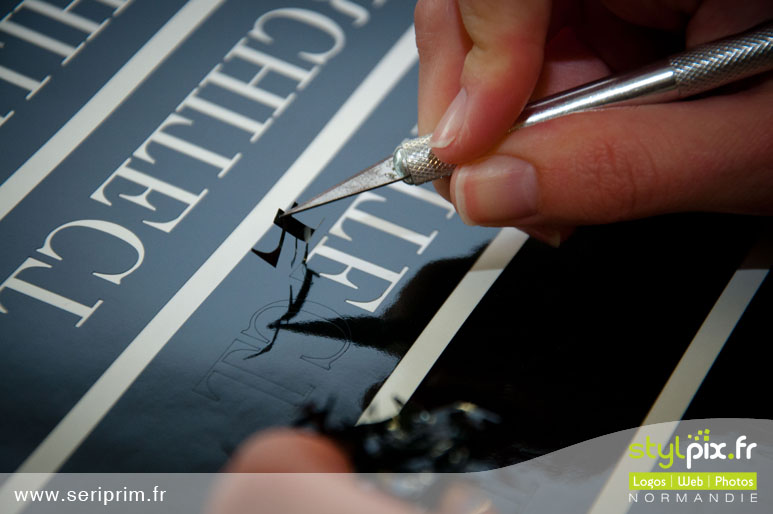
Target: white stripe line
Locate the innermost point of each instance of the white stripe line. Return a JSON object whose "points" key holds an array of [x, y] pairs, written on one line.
{"points": [[417, 362], [103, 103], [36, 38], [92, 407], [696, 362], [686, 379], [16, 78]]}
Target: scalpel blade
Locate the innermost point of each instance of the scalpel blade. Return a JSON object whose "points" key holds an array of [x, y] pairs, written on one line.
{"points": [[377, 175]]}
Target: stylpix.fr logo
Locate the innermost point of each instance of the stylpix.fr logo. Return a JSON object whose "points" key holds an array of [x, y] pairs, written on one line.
{"points": [[699, 449]]}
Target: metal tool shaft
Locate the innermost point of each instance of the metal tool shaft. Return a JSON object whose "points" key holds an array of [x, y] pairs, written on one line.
{"points": [[688, 73]]}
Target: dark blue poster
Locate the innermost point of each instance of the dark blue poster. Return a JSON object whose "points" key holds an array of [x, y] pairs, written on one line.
{"points": [[153, 315]]}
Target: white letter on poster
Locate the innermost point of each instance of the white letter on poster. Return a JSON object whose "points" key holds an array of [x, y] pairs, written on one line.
{"points": [[311, 18], [152, 185], [107, 227], [352, 262], [60, 302], [353, 213], [184, 147]]}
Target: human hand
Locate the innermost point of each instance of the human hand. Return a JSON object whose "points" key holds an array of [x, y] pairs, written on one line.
{"points": [[289, 471], [482, 60], [292, 471]]}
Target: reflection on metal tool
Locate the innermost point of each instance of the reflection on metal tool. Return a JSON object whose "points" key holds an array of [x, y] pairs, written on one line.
{"points": [[685, 74]]}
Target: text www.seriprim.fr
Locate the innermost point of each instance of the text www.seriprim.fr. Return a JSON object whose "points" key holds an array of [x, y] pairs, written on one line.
{"points": [[99, 495]]}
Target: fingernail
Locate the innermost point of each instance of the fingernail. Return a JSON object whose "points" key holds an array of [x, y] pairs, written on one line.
{"points": [[497, 189], [450, 123]]}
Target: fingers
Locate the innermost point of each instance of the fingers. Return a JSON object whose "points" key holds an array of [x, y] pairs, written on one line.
{"points": [[712, 154], [295, 472], [289, 451], [443, 44], [479, 61], [709, 154], [567, 63], [289, 471]]}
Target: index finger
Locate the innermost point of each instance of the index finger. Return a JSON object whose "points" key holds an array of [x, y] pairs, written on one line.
{"points": [[479, 61]]}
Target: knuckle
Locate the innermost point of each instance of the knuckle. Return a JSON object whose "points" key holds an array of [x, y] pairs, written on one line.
{"points": [[618, 172]]}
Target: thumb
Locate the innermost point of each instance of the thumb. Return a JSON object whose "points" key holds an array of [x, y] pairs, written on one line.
{"points": [[712, 154], [491, 63]]}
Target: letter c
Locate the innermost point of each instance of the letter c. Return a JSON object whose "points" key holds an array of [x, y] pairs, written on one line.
{"points": [[107, 227], [311, 18]]}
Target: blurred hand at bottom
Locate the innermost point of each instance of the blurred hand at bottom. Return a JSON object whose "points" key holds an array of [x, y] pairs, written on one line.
{"points": [[294, 472], [286, 471]]}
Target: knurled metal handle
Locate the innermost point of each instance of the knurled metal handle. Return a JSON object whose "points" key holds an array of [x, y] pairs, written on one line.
{"points": [[688, 73], [418, 163], [712, 65]]}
